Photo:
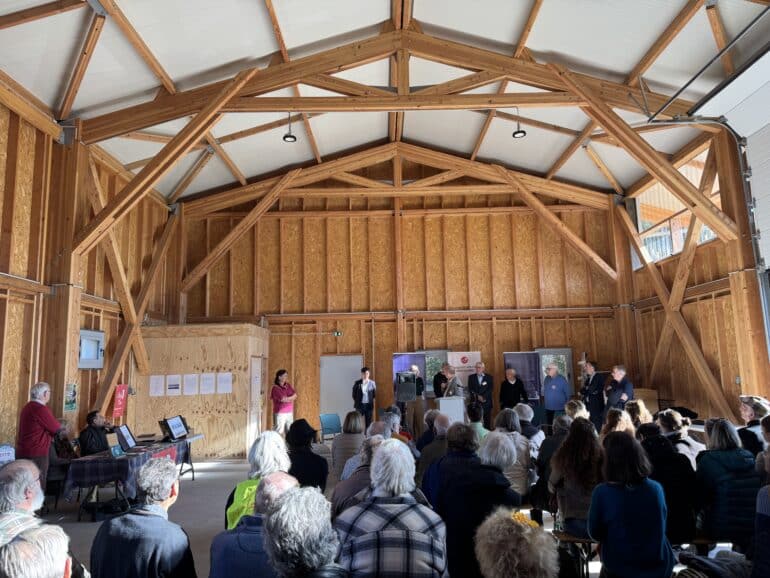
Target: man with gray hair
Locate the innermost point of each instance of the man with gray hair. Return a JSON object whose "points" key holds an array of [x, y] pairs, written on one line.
{"points": [[20, 496], [39, 552], [37, 428], [389, 533], [376, 428], [534, 434], [299, 538], [143, 542], [344, 491], [240, 551], [436, 449]]}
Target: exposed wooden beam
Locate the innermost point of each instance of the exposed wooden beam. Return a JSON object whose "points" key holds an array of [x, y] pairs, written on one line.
{"points": [[651, 160], [268, 126], [720, 37], [393, 191], [84, 58], [462, 84], [173, 106], [133, 192], [27, 106], [661, 43], [533, 122], [190, 175], [357, 180], [559, 226], [156, 138], [222, 154], [343, 86], [431, 181], [528, 25], [237, 231], [603, 168], [570, 150], [117, 362], [38, 12], [402, 86], [158, 255]]}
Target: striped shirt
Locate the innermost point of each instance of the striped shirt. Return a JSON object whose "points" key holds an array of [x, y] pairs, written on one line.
{"points": [[15, 522], [392, 538]]}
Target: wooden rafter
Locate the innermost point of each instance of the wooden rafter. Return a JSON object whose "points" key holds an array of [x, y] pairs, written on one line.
{"points": [[357, 180], [603, 168], [237, 231], [26, 105], [651, 160], [190, 175], [222, 154], [84, 58], [559, 226], [720, 37], [344, 86], [133, 192], [38, 12], [570, 150], [462, 84], [156, 138]]}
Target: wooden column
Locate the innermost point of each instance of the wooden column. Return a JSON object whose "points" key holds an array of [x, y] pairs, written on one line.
{"points": [[745, 300], [398, 256]]}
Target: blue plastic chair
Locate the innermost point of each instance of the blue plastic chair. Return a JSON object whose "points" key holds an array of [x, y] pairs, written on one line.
{"points": [[330, 425]]}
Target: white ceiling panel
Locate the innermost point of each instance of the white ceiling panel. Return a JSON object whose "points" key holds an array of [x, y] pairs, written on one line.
{"points": [[237, 121], [671, 140], [171, 179], [536, 152], [625, 169], [736, 15], [9, 6], [581, 169], [375, 73], [426, 72], [567, 116], [338, 131], [130, 150], [499, 20], [456, 130], [214, 174]]}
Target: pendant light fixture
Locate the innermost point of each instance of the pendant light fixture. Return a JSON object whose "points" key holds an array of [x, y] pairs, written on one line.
{"points": [[289, 136], [519, 132]]}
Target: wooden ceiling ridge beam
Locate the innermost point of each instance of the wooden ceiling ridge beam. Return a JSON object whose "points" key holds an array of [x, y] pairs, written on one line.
{"points": [[81, 65], [37, 12], [651, 160], [169, 155], [172, 106], [238, 231], [689, 344], [720, 37]]}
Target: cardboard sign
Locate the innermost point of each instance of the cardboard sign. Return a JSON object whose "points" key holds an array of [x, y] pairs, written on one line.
{"points": [[121, 397]]}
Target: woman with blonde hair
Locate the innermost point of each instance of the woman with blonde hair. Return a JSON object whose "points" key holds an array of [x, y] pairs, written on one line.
{"points": [[674, 426], [347, 444], [638, 412], [576, 408], [618, 420]]}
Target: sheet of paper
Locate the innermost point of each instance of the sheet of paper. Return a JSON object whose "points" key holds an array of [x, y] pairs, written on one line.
{"points": [[157, 385], [173, 385], [225, 382], [208, 383], [190, 384]]}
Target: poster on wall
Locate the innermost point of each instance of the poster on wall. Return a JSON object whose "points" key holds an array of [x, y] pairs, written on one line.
{"points": [[434, 359], [173, 385], [464, 363], [71, 397], [121, 397], [225, 382], [190, 384], [157, 385], [208, 384]]}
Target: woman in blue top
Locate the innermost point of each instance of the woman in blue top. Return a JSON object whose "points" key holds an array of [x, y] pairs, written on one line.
{"points": [[628, 514]]}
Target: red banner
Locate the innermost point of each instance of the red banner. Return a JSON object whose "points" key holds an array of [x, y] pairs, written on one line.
{"points": [[121, 397]]}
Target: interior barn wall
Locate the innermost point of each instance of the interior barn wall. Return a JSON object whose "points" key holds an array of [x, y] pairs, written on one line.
{"points": [[221, 418], [492, 283]]}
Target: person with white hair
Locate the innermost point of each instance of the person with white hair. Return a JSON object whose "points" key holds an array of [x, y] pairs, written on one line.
{"points": [[389, 533], [428, 432], [240, 552], [38, 552], [534, 434], [37, 428], [345, 491], [267, 454], [143, 542], [507, 421], [468, 499], [20, 496], [435, 450], [299, 537], [556, 392], [376, 428]]}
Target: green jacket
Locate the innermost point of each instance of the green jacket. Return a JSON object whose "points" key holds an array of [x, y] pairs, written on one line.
{"points": [[243, 502]]}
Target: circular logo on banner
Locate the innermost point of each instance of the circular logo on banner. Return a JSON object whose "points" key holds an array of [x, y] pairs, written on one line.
{"points": [[464, 359]]}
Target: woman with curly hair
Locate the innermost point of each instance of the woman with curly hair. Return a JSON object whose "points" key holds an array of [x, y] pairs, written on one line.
{"points": [[618, 420], [510, 544], [638, 412], [576, 469]]}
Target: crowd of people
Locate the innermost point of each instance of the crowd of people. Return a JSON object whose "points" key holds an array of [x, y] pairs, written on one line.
{"points": [[447, 501]]}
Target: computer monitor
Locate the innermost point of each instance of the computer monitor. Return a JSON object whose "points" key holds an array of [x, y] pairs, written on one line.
{"points": [[125, 437], [175, 427]]}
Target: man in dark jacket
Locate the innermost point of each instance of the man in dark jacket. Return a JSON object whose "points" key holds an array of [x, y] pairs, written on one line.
{"points": [[143, 543], [309, 468], [512, 390], [593, 394], [461, 457], [364, 394], [93, 439], [480, 386], [619, 390], [435, 450]]}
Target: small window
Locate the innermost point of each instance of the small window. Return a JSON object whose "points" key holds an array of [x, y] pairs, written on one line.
{"points": [[91, 349]]}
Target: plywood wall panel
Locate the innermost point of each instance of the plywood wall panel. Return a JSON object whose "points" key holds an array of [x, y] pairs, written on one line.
{"points": [[314, 260], [22, 206], [413, 251], [269, 266], [292, 289], [479, 270], [338, 256], [242, 274], [501, 259], [576, 273], [381, 255], [219, 274], [526, 261], [196, 229], [360, 283], [455, 263], [434, 262]]}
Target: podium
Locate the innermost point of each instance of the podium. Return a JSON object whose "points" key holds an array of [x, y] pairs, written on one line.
{"points": [[454, 407]]}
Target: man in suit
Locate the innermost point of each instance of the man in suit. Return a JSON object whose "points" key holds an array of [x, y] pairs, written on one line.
{"points": [[480, 386], [364, 394], [619, 390], [593, 394]]}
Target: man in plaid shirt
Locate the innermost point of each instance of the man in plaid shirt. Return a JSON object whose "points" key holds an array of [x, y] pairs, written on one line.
{"points": [[390, 535]]}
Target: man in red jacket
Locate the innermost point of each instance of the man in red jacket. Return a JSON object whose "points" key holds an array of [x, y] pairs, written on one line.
{"points": [[37, 427]]}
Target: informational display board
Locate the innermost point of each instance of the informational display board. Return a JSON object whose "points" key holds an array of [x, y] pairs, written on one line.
{"points": [[434, 359], [338, 373], [464, 363], [454, 407], [527, 366]]}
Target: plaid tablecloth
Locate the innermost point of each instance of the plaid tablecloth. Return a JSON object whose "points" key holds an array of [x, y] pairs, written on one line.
{"points": [[102, 468]]}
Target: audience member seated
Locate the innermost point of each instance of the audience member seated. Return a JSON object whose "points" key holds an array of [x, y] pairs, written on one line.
{"points": [[460, 458], [475, 417], [726, 486], [576, 469], [429, 433], [60, 454], [576, 408], [435, 450], [398, 431], [508, 544], [673, 471], [628, 514], [471, 497], [310, 469], [93, 439], [240, 552], [345, 491], [389, 533], [20, 497], [638, 412], [763, 458], [38, 552], [533, 433], [299, 537], [753, 409], [674, 426], [761, 559], [519, 474], [267, 454], [347, 444], [376, 428], [540, 496], [144, 542], [618, 420]]}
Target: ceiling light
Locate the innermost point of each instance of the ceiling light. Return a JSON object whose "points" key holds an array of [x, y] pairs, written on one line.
{"points": [[289, 137], [519, 132]]}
